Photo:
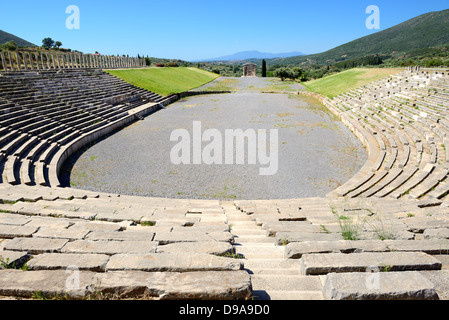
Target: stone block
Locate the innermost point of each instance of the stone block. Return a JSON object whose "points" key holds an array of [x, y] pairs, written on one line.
{"points": [[109, 247], [25, 284], [36, 245], [410, 285], [316, 264], [209, 285], [289, 237], [209, 247], [296, 249], [56, 261], [12, 231], [172, 262]]}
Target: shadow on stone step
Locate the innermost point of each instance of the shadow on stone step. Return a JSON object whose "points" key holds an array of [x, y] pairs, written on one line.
{"points": [[261, 295]]}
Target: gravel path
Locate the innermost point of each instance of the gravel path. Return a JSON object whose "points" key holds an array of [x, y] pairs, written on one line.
{"points": [[317, 152]]}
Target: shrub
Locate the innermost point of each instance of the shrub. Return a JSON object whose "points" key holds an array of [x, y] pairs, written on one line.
{"points": [[160, 65]]}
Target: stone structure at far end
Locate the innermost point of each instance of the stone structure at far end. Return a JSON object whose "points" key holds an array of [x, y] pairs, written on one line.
{"points": [[249, 70]]}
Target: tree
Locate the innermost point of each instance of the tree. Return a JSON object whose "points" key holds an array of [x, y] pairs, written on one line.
{"points": [[264, 68], [58, 44], [283, 73], [9, 46], [48, 43], [296, 73]]}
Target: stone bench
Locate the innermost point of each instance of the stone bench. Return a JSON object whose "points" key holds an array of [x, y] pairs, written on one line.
{"points": [[316, 264]]}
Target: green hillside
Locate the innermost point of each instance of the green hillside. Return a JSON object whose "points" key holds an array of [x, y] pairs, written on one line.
{"points": [[336, 84], [425, 31], [165, 81], [5, 37]]}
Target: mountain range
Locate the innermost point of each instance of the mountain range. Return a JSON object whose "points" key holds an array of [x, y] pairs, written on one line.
{"points": [[425, 31], [247, 55]]}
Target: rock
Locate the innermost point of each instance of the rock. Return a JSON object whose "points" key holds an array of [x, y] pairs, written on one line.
{"points": [[13, 231], [13, 259], [47, 283], [61, 233], [121, 235], [36, 245], [315, 264], [289, 237], [55, 261], [209, 285], [110, 247], [410, 285], [431, 246], [172, 262], [209, 247], [296, 249], [442, 233]]}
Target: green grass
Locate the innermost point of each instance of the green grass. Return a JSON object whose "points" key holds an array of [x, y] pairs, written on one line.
{"points": [[165, 81], [336, 84]]}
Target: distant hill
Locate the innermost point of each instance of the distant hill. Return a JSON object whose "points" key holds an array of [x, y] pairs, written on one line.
{"points": [[5, 37], [425, 31], [249, 55]]}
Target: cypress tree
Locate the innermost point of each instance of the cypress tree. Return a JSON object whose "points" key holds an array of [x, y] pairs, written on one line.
{"points": [[264, 68]]}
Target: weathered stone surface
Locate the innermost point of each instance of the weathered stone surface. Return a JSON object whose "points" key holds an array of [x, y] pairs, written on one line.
{"points": [[58, 233], [49, 283], [121, 236], [315, 264], [296, 249], [209, 247], [13, 219], [109, 247], [55, 261], [288, 237], [440, 279], [209, 285], [431, 246], [12, 231], [291, 226], [13, 259], [96, 226], [35, 245], [174, 262], [410, 285], [192, 236], [419, 224], [442, 233], [49, 222]]}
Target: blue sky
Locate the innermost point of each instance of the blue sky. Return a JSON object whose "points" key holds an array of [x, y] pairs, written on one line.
{"points": [[197, 29]]}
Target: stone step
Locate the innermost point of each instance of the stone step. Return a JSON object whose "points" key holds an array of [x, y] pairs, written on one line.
{"points": [[173, 262], [225, 285], [315, 264], [270, 263], [286, 283], [287, 295], [253, 239], [408, 285]]}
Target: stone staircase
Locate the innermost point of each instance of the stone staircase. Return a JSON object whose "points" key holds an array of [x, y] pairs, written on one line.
{"points": [[272, 276]]}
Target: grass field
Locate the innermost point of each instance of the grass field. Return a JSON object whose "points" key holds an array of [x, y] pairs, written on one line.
{"points": [[336, 84], [165, 81]]}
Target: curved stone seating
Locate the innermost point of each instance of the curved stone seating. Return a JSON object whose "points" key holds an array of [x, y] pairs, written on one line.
{"points": [[133, 245], [405, 116], [44, 112]]}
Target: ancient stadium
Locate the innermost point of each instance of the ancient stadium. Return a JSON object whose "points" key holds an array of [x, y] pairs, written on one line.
{"points": [[390, 218]]}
